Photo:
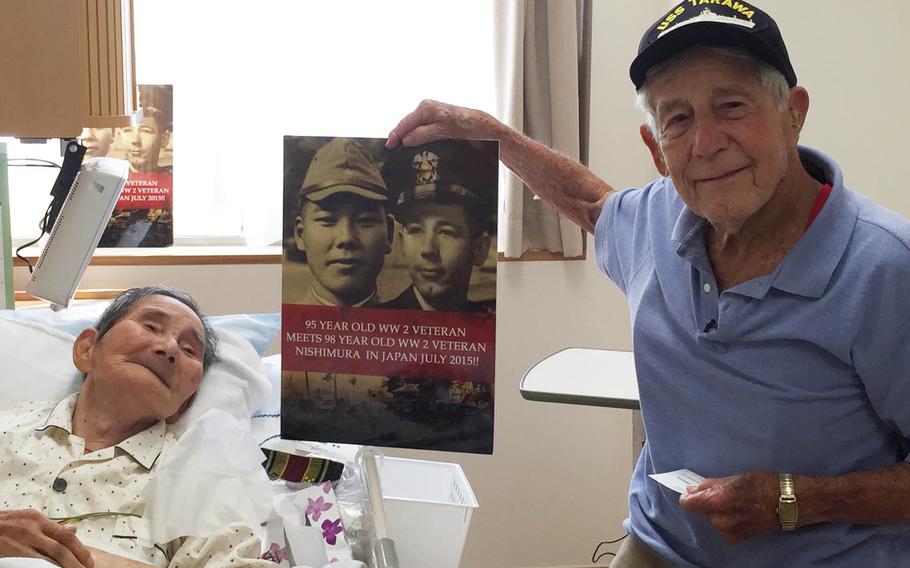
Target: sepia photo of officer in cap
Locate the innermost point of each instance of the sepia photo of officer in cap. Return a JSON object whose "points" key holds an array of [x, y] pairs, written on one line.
{"points": [[446, 200], [342, 225]]}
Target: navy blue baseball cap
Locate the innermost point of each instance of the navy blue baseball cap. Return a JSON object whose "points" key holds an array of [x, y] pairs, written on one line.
{"points": [[715, 23]]}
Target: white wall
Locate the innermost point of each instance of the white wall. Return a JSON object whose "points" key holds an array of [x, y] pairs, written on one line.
{"points": [[854, 65], [556, 483]]}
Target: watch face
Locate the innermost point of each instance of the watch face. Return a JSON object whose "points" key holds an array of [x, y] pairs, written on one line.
{"points": [[787, 512]]}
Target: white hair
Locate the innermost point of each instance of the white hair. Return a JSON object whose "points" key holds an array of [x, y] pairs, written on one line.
{"points": [[770, 78]]}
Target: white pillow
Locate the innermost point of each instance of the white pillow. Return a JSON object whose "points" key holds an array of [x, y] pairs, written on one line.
{"points": [[37, 364], [236, 383], [266, 422]]}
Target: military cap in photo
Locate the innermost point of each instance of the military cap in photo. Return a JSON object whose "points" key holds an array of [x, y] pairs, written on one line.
{"points": [[714, 23], [157, 101], [447, 171], [343, 166]]}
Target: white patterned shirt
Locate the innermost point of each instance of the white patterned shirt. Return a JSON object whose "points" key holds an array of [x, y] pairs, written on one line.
{"points": [[43, 466]]}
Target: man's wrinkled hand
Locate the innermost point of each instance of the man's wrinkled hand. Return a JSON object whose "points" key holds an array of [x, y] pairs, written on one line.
{"points": [[28, 533], [433, 120], [739, 507]]}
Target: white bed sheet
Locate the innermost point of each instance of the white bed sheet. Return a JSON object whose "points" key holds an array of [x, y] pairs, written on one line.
{"points": [[19, 562]]}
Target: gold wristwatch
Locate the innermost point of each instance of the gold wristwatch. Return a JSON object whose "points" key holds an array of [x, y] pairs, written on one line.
{"points": [[787, 509]]}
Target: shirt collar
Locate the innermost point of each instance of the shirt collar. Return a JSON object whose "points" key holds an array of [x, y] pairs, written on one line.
{"points": [[688, 224], [62, 415], [144, 447], [808, 267], [689, 236], [423, 303], [324, 302]]}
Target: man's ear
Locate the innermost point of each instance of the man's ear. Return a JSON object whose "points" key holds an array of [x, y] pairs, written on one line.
{"points": [[298, 234], [183, 408], [798, 108], [648, 138], [165, 139], [83, 348], [481, 249]]}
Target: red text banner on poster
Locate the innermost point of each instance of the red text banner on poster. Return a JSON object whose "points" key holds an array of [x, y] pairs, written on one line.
{"points": [[403, 343], [147, 190]]}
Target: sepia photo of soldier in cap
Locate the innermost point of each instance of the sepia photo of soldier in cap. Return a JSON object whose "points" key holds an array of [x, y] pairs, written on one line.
{"points": [[446, 201], [343, 225]]}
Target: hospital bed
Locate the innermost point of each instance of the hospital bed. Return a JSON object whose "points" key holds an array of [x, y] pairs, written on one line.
{"points": [[35, 350]]}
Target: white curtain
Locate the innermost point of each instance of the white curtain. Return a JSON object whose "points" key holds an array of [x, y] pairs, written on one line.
{"points": [[537, 69]]}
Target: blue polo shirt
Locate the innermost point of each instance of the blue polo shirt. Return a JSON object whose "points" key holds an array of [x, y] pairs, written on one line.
{"points": [[804, 370]]}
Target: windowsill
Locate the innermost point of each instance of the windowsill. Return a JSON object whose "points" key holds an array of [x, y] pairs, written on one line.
{"points": [[173, 255], [538, 255], [221, 254]]}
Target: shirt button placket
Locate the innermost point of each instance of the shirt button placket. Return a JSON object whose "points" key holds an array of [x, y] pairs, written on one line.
{"points": [[710, 306]]}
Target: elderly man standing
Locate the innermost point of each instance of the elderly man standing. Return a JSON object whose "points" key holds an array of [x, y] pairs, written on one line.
{"points": [[72, 473], [771, 347]]}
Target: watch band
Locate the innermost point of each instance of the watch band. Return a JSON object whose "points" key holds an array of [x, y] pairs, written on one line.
{"points": [[787, 508]]}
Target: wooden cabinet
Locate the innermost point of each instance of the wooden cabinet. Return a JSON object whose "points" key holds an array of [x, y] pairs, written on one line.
{"points": [[64, 65]]}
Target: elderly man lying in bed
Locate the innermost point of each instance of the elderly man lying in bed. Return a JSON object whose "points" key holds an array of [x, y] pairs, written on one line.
{"points": [[72, 472]]}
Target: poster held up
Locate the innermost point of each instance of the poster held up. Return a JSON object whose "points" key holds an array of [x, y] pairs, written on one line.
{"points": [[388, 296]]}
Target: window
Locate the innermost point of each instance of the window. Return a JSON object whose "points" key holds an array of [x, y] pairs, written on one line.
{"points": [[246, 74]]}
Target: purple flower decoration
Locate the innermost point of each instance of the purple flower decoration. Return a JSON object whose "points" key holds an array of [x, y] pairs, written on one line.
{"points": [[326, 487], [330, 529], [275, 553], [315, 508]]}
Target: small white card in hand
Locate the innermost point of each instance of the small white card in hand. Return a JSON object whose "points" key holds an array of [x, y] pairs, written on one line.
{"points": [[678, 480]]}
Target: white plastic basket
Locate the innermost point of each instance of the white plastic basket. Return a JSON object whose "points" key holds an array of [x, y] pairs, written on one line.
{"points": [[428, 508]]}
